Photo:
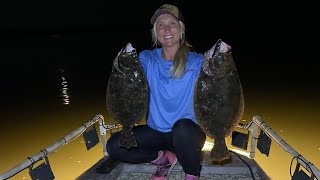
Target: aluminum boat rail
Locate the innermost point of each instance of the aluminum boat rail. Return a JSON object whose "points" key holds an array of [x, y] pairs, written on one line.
{"points": [[253, 127]]}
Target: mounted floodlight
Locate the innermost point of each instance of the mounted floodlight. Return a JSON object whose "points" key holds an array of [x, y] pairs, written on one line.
{"points": [[91, 137], [240, 140], [300, 175], [264, 143], [43, 171]]}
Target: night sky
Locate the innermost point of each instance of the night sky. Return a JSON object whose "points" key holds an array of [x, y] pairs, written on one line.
{"points": [[274, 45], [259, 31]]}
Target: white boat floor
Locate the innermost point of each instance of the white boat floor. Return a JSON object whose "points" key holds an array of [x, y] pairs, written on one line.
{"points": [[241, 168]]}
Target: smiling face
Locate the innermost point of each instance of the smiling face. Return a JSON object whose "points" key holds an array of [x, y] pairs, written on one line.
{"points": [[168, 30]]}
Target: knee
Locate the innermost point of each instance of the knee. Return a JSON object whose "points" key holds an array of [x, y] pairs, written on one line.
{"points": [[184, 128], [187, 130], [184, 125]]}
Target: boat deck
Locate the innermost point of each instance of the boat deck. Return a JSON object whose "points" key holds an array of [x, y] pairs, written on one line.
{"points": [[241, 168]]}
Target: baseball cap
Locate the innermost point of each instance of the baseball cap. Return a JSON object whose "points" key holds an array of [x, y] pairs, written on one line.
{"points": [[167, 9]]}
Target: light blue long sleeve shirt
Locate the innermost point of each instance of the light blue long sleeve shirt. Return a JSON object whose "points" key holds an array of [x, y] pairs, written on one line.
{"points": [[170, 99]]}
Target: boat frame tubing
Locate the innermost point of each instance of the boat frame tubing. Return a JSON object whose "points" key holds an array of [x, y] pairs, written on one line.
{"points": [[286, 147], [52, 148]]}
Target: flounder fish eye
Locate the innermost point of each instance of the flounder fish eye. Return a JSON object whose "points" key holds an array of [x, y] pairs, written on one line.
{"points": [[129, 51]]}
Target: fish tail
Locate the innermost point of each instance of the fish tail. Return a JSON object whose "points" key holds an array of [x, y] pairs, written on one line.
{"points": [[220, 152], [127, 138]]}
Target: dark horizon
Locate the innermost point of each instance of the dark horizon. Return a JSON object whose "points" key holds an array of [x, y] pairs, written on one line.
{"points": [[268, 31], [272, 42]]}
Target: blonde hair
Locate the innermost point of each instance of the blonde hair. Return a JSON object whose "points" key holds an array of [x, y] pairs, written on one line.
{"points": [[180, 59]]}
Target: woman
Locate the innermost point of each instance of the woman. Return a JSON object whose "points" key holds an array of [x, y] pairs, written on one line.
{"points": [[171, 133]]}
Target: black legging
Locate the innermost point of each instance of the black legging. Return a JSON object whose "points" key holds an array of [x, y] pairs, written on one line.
{"points": [[186, 140]]}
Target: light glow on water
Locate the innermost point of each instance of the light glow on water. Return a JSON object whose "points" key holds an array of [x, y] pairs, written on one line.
{"points": [[299, 130], [241, 152], [64, 90], [207, 146]]}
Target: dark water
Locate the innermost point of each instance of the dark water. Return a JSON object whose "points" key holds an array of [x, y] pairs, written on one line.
{"points": [[54, 81]]}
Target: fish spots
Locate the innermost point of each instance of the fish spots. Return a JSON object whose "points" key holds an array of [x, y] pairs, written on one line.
{"points": [[136, 74], [205, 107], [204, 86]]}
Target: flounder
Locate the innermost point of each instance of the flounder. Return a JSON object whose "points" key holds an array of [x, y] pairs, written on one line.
{"points": [[218, 99], [127, 93]]}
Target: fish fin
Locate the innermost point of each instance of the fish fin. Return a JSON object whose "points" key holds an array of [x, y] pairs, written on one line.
{"points": [[127, 139], [116, 64], [220, 153], [116, 60]]}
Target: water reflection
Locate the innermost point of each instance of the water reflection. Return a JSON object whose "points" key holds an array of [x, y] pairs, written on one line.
{"points": [[64, 90]]}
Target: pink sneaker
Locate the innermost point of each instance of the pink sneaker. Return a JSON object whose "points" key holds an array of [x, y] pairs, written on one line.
{"points": [[165, 164], [190, 177]]}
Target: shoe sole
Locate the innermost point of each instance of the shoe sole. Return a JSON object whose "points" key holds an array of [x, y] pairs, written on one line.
{"points": [[170, 169]]}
